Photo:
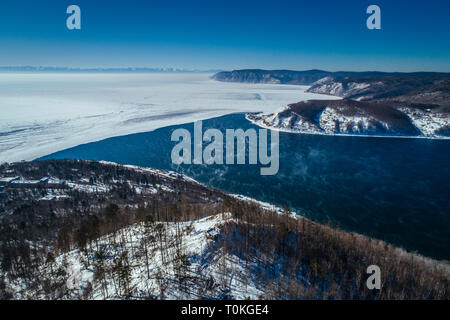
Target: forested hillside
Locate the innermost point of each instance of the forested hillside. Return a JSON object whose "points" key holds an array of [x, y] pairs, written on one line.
{"points": [[105, 231]]}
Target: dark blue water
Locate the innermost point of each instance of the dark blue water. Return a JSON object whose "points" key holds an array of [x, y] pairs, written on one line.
{"points": [[392, 189]]}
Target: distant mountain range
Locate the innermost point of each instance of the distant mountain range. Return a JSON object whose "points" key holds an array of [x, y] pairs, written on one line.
{"points": [[375, 103], [100, 70], [308, 77], [274, 76]]}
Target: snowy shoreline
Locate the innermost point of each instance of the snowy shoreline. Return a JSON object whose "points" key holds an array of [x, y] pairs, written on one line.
{"points": [[287, 130]]}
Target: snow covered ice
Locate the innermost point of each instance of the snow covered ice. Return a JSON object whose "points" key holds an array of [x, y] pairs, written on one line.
{"points": [[42, 113]]}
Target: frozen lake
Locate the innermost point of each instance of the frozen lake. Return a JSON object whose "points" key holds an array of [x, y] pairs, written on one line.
{"points": [[43, 112]]}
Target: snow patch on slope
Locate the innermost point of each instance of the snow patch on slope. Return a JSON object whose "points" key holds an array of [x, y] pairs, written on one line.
{"points": [[78, 268], [327, 86], [332, 121], [427, 122]]}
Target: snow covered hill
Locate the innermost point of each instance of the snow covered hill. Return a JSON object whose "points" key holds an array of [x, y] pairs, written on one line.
{"points": [[350, 117], [110, 231], [374, 103]]}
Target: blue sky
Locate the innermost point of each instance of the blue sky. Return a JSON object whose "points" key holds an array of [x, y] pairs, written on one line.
{"points": [[217, 34]]}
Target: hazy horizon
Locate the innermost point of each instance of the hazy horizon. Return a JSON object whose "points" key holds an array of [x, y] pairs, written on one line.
{"points": [[139, 69]]}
